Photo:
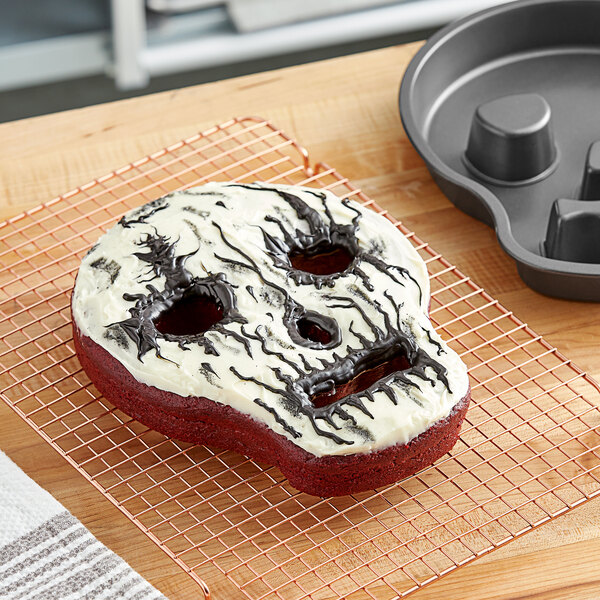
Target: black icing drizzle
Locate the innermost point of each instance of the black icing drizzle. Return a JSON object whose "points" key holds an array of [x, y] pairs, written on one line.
{"points": [[250, 290], [295, 392], [293, 311], [179, 283], [145, 211], [321, 236]]}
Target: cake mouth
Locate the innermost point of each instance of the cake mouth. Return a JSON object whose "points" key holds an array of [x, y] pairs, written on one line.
{"points": [[360, 374], [384, 366], [368, 375], [330, 396]]}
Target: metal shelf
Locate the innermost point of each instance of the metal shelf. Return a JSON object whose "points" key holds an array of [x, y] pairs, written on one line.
{"points": [[141, 53], [136, 44]]}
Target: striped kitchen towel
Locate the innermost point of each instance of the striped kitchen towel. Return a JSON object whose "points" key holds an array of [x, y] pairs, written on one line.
{"points": [[47, 554]]}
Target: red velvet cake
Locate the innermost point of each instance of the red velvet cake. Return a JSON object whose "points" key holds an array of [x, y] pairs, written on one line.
{"points": [[276, 321]]}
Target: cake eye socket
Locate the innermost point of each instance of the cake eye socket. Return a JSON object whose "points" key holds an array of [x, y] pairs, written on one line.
{"points": [[326, 260], [192, 314]]}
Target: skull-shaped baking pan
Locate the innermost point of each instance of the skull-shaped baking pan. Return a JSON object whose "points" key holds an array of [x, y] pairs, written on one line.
{"points": [[504, 108], [276, 321]]}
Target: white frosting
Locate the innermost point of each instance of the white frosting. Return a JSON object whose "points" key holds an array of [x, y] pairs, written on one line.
{"points": [[186, 218]]}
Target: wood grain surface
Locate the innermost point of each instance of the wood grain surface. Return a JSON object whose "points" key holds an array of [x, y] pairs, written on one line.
{"points": [[345, 112]]}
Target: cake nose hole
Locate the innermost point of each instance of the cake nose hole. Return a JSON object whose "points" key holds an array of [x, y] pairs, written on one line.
{"points": [[326, 261], [361, 381], [311, 330], [190, 315]]}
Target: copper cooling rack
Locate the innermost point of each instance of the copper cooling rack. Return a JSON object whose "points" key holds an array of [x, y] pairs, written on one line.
{"points": [[529, 449]]}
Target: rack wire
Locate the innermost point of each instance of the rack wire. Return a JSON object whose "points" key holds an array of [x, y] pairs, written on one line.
{"points": [[528, 452]]}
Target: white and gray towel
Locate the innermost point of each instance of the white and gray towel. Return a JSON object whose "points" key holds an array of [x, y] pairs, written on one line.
{"points": [[47, 554]]}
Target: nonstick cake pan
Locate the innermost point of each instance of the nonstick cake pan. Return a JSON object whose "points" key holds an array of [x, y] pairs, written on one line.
{"points": [[504, 107]]}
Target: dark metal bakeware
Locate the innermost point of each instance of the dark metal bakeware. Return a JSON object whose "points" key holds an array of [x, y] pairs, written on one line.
{"points": [[504, 107]]}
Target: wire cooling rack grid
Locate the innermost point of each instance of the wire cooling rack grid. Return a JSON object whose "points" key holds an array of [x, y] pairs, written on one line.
{"points": [[529, 448]]}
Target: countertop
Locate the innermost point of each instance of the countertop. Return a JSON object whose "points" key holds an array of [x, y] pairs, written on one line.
{"points": [[345, 112]]}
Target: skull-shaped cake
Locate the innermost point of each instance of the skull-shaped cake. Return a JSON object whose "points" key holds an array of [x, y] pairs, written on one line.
{"points": [[277, 321]]}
